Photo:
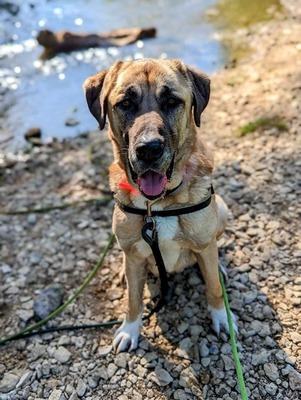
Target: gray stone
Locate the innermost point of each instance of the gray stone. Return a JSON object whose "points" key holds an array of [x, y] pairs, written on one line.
{"points": [[144, 344], [196, 330], [49, 299], [185, 344], [296, 337], [294, 378], [194, 280], [204, 350], [73, 396], [5, 268], [161, 377], [25, 378], [180, 394], [104, 351], [56, 395], [271, 371], [297, 281], [37, 351], [121, 360], [183, 327], [260, 358], [101, 373], [112, 368], [81, 388], [187, 378], [35, 257], [205, 361], [25, 315], [149, 357], [62, 354], [32, 218], [226, 348], [228, 362], [271, 389], [141, 371], [8, 382]]}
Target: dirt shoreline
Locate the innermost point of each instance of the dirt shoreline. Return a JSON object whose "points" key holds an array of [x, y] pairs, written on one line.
{"points": [[179, 357]]}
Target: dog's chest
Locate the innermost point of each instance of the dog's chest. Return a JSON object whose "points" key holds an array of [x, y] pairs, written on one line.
{"points": [[167, 230]]}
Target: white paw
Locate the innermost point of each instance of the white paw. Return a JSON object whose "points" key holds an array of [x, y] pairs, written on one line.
{"points": [[126, 337], [220, 320]]}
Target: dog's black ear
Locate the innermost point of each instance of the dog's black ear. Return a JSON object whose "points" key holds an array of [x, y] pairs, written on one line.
{"points": [[201, 92], [96, 101]]}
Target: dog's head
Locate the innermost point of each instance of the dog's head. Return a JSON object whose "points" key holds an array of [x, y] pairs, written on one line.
{"points": [[152, 108]]}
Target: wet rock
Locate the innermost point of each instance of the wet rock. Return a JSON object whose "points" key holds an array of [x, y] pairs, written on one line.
{"points": [[49, 299], [71, 122], [33, 133]]}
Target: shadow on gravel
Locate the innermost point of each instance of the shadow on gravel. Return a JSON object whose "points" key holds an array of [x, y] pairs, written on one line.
{"points": [[260, 250]]}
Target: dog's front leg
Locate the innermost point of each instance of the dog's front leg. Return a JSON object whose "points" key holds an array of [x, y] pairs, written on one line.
{"points": [[208, 262], [126, 337]]}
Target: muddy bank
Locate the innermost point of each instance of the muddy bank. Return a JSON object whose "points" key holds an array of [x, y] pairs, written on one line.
{"points": [[253, 123]]}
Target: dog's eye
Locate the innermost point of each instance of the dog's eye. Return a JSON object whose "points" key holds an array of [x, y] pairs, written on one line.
{"points": [[172, 102], [125, 104]]}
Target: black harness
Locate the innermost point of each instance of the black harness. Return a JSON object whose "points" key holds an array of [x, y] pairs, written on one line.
{"points": [[150, 234]]}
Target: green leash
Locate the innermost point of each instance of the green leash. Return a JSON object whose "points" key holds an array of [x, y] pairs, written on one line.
{"points": [[239, 373], [32, 329]]}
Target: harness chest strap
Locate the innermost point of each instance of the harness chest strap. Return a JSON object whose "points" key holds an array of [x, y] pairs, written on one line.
{"points": [[170, 212]]}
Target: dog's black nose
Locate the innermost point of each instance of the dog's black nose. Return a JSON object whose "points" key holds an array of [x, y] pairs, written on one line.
{"points": [[150, 151]]}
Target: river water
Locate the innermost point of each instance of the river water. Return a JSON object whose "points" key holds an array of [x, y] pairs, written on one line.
{"points": [[45, 94]]}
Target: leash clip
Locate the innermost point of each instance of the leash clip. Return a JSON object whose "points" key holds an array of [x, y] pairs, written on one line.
{"points": [[149, 232]]}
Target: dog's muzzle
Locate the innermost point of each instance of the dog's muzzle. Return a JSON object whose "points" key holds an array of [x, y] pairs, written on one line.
{"points": [[152, 180]]}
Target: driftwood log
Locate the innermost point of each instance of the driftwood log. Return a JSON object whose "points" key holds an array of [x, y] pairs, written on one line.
{"points": [[64, 41]]}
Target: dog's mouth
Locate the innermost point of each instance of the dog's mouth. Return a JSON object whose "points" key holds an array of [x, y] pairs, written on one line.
{"points": [[152, 184]]}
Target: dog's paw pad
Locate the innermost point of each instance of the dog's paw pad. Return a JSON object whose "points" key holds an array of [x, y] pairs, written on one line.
{"points": [[220, 320], [126, 337]]}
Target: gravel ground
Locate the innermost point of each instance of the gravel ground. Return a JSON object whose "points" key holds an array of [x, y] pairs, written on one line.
{"points": [[179, 356]]}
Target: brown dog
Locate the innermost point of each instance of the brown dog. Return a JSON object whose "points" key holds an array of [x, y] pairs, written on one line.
{"points": [[153, 108]]}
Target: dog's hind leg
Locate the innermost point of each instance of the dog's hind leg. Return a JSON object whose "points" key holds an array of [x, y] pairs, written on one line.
{"points": [[126, 337]]}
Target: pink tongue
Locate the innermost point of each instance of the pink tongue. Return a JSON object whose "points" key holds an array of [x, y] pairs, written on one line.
{"points": [[151, 183]]}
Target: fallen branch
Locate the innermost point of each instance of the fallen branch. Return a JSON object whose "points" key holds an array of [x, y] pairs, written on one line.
{"points": [[65, 41]]}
